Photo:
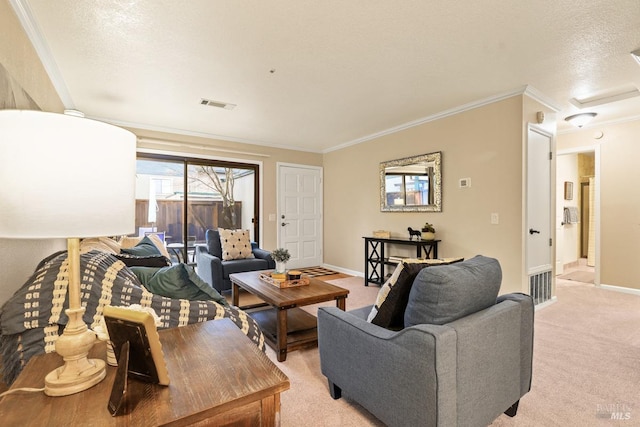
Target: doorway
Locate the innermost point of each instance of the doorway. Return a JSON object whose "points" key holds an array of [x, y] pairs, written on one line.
{"points": [[300, 214], [579, 239]]}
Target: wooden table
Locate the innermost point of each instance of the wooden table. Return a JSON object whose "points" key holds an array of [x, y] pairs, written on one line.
{"points": [[285, 326], [218, 377], [376, 256]]}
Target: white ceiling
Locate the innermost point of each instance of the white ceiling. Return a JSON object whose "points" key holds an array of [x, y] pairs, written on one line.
{"points": [[316, 75]]}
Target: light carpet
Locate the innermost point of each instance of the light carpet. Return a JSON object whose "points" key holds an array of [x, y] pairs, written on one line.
{"points": [[586, 365]]}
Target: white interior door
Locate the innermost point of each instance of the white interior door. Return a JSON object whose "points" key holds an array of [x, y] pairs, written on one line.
{"points": [[539, 225], [300, 214]]}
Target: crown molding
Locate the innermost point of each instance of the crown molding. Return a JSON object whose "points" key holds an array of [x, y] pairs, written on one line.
{"points": [[30, 26], [523, 90]]}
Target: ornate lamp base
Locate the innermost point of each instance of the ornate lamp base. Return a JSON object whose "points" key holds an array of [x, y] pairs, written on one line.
{"points": [[78, 373]]}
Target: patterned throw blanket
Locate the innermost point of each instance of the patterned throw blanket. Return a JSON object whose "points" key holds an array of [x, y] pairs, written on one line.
{"points": [[33, 318]]}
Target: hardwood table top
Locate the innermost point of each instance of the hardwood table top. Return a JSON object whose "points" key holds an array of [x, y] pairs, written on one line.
{"points": [[213, 369], [316, 291]]}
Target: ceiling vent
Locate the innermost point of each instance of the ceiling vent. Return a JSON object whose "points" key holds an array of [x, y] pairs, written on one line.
{"points": [[217, 104]]}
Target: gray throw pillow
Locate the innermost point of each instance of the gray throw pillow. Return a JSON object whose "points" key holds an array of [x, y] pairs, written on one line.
{"points": [[442, 294], [144, 248]]}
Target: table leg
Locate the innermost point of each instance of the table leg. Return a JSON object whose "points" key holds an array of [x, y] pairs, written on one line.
{"points": [[235, 294], [341, 303], [281, 335]]}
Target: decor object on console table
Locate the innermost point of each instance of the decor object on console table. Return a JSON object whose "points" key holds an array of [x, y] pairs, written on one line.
{"points": [[376, 257], [428, 231], [63, 185], [281, 256]]}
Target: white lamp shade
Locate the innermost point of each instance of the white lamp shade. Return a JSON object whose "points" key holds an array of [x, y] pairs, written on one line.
{"points": [[64, 176]]}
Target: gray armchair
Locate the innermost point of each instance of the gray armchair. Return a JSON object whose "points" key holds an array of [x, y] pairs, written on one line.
{"points": [[215, 271], [461, 372]]}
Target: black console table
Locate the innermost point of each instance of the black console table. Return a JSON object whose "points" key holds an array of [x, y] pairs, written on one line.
{"points": [[376, 257]]}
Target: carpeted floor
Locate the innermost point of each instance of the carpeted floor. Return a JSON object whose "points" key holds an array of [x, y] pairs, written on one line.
{"points": [[579, 276], [586, 364]]}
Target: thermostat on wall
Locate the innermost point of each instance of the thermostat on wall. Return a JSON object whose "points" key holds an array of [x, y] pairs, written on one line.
{"points": [[465, 182]]}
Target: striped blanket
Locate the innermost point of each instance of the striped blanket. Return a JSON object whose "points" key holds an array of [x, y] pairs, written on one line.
{"points": [[31, 321]]}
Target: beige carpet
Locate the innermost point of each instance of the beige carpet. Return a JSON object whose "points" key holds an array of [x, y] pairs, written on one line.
{"points": [[579, 276], [586, 364]]}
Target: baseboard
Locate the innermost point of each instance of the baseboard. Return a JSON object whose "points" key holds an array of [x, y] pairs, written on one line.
{"points": [[343, 270], [547, 303], [619, 289]]}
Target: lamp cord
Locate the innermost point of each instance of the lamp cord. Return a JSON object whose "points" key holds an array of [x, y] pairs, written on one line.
{"points": [[22, 389]]}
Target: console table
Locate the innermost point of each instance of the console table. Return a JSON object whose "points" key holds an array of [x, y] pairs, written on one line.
{"points": [[217, 377], [376, 256]]}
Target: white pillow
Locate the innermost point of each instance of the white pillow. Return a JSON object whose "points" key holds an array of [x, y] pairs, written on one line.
{"points": [[236, 244]]}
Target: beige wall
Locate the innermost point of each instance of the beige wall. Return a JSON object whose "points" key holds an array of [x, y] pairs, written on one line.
{"points": [[484, 144], [620, 199], [18, 258]]}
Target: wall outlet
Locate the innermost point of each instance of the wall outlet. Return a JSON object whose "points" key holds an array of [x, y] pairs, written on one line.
{"points": [[465, 182], [495, 219]]}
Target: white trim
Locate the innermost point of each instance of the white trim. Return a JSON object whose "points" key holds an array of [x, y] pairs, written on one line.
{"points": [[30, 26], [547, 303], [619, 289], [198, 146], [344, 270], [524, 90]]}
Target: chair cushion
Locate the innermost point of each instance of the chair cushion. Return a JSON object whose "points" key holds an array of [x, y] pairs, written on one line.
{"points": [[442, 294], [236, 244], [178, 282], [242, 265], [388, 310]]}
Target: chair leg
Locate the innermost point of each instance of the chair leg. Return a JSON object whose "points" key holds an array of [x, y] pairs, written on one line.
{"points": [[513, 409], [334, 390]]}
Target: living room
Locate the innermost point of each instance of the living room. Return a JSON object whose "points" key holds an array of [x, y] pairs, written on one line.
{"points": [[481, 138]]}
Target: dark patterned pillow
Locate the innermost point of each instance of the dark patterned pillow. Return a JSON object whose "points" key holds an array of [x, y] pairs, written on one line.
{"points": [[143, 261], [388, 311]]}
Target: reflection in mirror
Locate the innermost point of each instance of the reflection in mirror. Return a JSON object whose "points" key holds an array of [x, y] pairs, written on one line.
{"points": [[412, 184]]}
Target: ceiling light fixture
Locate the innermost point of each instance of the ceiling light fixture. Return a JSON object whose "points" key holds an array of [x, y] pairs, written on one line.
{"points": [[580, 119], [636, 55]]}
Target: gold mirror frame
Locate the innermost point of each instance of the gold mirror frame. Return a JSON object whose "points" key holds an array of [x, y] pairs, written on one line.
{"points": [[433, 160]]}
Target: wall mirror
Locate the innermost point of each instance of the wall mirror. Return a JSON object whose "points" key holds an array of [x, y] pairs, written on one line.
{"points": [[412, 184]]}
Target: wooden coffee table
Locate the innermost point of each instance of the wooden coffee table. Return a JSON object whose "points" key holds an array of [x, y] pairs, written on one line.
{"points": [[285, 326]]}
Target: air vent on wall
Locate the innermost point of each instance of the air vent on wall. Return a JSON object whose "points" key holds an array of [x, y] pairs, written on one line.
{"points": [[217, 104]]}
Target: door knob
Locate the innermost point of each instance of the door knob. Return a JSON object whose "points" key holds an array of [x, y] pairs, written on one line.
{"points": [[532, 231], [285, 223]]}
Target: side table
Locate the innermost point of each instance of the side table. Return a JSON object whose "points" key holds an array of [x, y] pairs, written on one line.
{"points": [[218, 377]]}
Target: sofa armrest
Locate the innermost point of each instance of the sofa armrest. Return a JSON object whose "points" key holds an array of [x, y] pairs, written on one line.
{"points": [[209, 268], [263, 254], [415, 367]]}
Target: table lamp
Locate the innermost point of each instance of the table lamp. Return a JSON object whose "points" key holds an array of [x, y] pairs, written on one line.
{"points": [[64, 176]]}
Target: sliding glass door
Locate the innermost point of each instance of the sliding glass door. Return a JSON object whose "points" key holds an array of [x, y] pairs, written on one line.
{"points": [[180, 198]]}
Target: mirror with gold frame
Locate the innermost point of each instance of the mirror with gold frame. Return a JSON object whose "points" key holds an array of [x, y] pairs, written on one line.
{"points": [[412, 184]]}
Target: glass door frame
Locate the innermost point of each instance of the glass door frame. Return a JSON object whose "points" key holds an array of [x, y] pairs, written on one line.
{"points": [[197, 161]]}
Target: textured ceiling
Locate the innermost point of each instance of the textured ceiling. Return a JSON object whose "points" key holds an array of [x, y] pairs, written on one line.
{"points": [[315, 75]]}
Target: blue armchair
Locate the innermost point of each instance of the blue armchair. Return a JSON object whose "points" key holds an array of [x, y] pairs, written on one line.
{"points": [[215, 271]]}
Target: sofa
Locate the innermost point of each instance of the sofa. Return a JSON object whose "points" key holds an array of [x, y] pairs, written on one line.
{"points": [[33, 318], [454, 354], [214, 266]]}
